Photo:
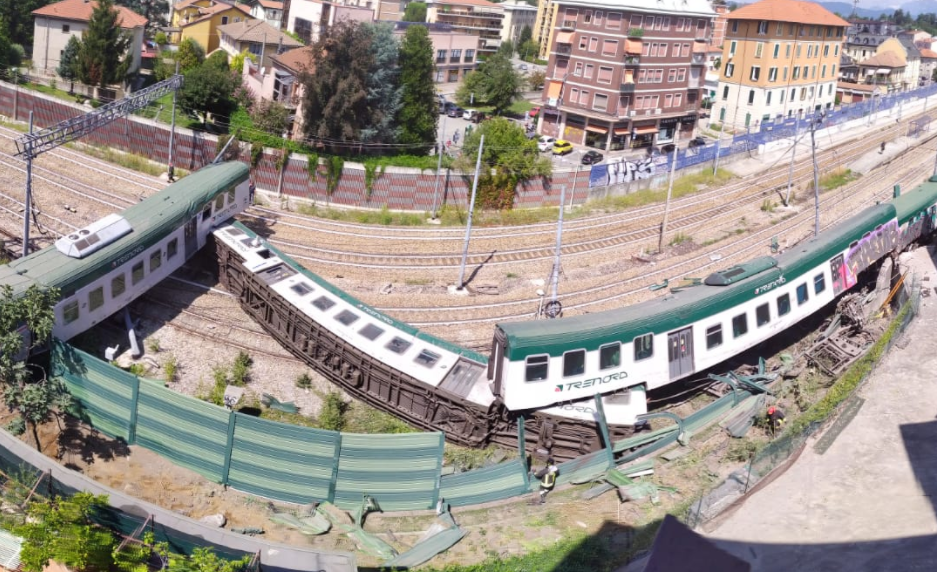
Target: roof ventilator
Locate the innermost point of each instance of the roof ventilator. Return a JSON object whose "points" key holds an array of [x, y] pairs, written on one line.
{"points": [[93, 237]]}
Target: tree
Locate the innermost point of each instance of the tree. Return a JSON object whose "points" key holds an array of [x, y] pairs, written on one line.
{"points": [[495, 83], [383, 85], [717, 63], [415, 12], [237, 62], [526, 35], [16, 20], [68, 66], [61, 529], [102, 59], [190, 55], [536, 79], [35, 397], [154, 11], [218, 60], [335, 102], [9, 57], [508, 158], [506, 49], [419, 111], [270, 117], [529, 50], [209, 90]]}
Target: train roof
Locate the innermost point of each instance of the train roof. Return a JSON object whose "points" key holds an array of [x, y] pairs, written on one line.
{"points": [[677, 309], [914, 201], [151, 220]]}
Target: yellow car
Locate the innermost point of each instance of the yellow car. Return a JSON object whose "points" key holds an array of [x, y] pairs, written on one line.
{"points": [[562, 147]]}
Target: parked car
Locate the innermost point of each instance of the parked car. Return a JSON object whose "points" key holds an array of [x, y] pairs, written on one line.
{"points": [[561, 147], [665, 149], [534, 111], [592, 157], [697, 141], [523, 67], [545, 143], [455, 111], [469, 114]]}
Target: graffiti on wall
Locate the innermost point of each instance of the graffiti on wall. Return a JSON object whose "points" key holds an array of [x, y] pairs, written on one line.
{"points": [[624, 171]]}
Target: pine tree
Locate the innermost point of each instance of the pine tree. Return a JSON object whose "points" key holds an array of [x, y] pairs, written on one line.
{"points": [[419, 111], [415, 12], [102, 59], [383, 85], [68, 66]]}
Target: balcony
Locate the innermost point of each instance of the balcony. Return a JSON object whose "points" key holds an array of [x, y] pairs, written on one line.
{"points": [[632, 60], [564, 50], [694, 83], [626, 88], [454, 59], [698, 59], [568, 25]]}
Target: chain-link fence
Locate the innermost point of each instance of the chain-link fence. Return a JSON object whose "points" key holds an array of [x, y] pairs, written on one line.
{"points": [[771, 461]]}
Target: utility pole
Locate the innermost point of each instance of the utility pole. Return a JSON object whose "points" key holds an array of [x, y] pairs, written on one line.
{"points": [[555, 279], [816, 173], [439, 151], [663, 226], [572, 195], [29, 194], [790, 173], [172, 128], [722, 126], [468, 227]]}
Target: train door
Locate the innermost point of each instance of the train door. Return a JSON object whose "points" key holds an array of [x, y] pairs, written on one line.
{"points": [[191, 237], [496, 362], [680, 352]]}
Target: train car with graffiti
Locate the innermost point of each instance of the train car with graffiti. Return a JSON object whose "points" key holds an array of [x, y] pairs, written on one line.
{"points": [[687, 331]]}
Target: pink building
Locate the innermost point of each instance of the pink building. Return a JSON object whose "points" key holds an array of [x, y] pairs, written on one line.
{"points": [[454, 52], [280, 82]]}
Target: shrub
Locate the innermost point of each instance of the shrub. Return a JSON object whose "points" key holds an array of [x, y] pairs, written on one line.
{"points": [[304, 381], [332, 414], [240, 371]]}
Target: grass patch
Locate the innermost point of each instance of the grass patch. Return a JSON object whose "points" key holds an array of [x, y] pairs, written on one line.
{"points": [[837, 178], [681, 187], [130, 161], [520, 107], [361, 418], [679, 239], [467, 459]]}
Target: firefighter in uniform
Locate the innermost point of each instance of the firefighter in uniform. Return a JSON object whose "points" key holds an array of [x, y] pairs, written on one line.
{"points": [[547, 476], [775, 419]]}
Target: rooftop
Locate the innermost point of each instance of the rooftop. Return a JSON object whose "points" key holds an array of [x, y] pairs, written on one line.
{"points": [[206, 12], [929, 54], [258, 31], [80, 10], [296, 60], [788, 11], [700, 7], [884, 60], [479, 3]]}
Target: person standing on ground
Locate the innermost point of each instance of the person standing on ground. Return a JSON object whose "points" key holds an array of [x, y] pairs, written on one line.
{"points": [[775, 419], [547, 476], [172, 174]]}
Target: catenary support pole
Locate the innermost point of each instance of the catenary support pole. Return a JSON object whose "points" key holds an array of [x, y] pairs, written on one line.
{"points": [[722, 126], [439, 151], [663, 225], [468, 226], [816, 173], [572, 195], [29, 194], [555, 278], [790, 172], [172, 125]]}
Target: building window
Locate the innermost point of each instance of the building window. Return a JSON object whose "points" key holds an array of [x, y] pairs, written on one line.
{"points": [[605, 74], [714, 336], [455, 56], [255, 48], [780, 30], [584, 97], [762, 27], [735, 26], [823, 72], [577, 71], [663, 51], [636, 21], [686, 51], [777, 49], [730, 69], [671, 75], [678, 100], [668, 100], [768, 98], [681, 75], [600, 102], [469, 56], [833, 71], [614, 21], [787, 51], [441, 56], [796, 75], [784, 77], [836, 50], [751, 97], [610, 48], [772, 74], [756, 73], [65, 28], [598, 17], [725, 93], [587, 16], [799, 49], [739, 325], [826, 51], [304, 30], [593, 44], [590, 70], [732, 45]]}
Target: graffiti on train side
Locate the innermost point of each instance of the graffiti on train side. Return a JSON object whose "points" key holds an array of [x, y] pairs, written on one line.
{"points": [[871, 247], [618, 172]]}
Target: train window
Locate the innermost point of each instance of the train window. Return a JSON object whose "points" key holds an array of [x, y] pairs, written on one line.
{"points": [[819, 284], [118, 285], [219, 202], [156, 260], [172, 247], [762, 315], [301, 288], [802, 295], [346, 317], [95, 298], [714, 336], [136, 273], [371, 332], [537, 368], [574, 363], [206, 212], [323, 303], [427, 358], [643, 347], [398, 345], [740, 325], [70, 312], [784, 304], [231, 197], [610, 356]]}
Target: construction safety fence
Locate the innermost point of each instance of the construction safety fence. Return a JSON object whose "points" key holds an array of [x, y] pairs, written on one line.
{"points": [[280, 461], [768, 462]]}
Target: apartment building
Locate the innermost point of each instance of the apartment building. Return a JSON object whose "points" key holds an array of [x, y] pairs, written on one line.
{"points": [[721, 23], [780, 59], [544, 26], [626, 73], [477, 17], [517, 15], [309, 18], [455, 51]]}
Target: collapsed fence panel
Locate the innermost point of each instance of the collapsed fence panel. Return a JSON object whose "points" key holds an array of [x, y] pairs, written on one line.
{"points": [[501, 481], [285, 462], [189, 432], [399, 471]]}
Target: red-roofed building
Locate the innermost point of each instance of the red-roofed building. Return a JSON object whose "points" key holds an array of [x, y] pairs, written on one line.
{"points": [[478, 17], [280, 82], [56, 23], [780, 59], [928, 65], [200, 19]]}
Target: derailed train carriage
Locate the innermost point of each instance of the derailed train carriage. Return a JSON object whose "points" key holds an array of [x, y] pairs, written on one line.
{"points": [[549, 372]]}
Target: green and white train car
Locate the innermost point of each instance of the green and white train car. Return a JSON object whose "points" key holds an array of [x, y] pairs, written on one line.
{"points": [[103, 267], [538, 364]]}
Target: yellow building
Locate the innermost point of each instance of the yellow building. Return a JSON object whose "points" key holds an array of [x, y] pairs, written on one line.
{"points": [[199, 20], [780, 59], [544, 26]]}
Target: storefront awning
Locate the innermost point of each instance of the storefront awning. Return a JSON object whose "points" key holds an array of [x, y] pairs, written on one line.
{"points": [[645, 130], [700, 47], [622, 131], [554, 90], [633, 47], [564, 37], [597, 129]]}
